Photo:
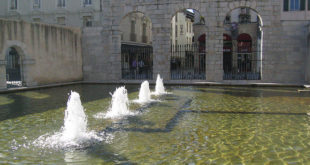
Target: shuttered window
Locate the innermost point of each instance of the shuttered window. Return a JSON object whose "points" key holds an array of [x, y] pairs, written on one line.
{"points": [[285, 5], [294, 5], [302, 5]]}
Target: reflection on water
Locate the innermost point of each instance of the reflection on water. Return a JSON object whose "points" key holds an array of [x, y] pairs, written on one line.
{"points": [[33, 95], [191, 125], [5, 100], [75, 157]]}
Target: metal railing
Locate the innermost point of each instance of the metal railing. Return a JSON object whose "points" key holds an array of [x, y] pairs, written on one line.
{"points": [[137, 62], [188, 62], [242, 68]]}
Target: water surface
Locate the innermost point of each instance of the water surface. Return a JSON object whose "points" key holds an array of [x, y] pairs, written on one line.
{"points": [[191, 125]]}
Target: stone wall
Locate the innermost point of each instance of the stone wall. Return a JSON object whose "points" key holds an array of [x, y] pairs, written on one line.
{"points": [[49, 53], [284, 42]]}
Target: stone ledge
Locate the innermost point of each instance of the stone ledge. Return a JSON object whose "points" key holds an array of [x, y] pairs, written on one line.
{"points": [[152, 82], [13, 90], [200, 83]]}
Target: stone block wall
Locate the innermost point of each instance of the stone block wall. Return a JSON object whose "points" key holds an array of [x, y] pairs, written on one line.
{"points": [[49, 53], [284, 42]]}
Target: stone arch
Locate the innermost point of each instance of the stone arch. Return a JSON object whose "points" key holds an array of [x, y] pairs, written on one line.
{"points": [[132, 12], [20, 47], [136, 46], [242, 3], [187, 53], [241, 19], [178, 9], [247, 4]]}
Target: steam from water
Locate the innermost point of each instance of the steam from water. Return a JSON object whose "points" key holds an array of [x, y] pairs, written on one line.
{"points": [[119, 104], [74, 132]]}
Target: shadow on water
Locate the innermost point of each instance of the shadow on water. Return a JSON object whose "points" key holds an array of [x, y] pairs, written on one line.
{"points": [[173, 122], [57, 98], [101, 152], [248, 91], [104, 152]]}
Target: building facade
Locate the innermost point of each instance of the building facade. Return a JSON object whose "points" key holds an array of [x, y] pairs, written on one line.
{"points": [[75, 13], [246, 41], [182, 31]]}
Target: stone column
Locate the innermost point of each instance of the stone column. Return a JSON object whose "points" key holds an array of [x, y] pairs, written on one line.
{"points": [[161, 46], [235, 56], [2, 74], [214, 54]]}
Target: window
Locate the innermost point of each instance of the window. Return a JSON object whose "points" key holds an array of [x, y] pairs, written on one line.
{"points": [[133, 26], [36, 19], [181, 29], [144, 37], [294, 5], [87, 2], [87, 21], [61, 20], [187, 27], [227, 19], [133, 31], [36, 4], [176, 30], [244, 16], [13, 4], [61, 3]]}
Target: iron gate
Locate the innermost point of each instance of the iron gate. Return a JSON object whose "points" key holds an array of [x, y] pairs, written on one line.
{"points": [[13, 66], [245, 66], [137, 62], [188, 62]]}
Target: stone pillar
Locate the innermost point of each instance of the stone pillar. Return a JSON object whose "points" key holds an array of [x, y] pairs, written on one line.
{"points": [[2, 74], [235, 56], [214, 54], [115, 58], [161, 47]]}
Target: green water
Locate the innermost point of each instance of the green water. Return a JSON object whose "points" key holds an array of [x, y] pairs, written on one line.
{"points": [[192, 125]]}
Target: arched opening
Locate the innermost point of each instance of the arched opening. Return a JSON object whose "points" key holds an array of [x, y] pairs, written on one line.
{"points": [[13, 68], [242, 45], [136, 47], [188, 48]]}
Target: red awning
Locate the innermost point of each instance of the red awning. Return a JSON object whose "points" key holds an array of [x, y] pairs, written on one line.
{"points": [[226, 37], [202, 38], [244, 37]]}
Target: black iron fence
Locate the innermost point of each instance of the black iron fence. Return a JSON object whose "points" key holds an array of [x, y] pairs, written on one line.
{"points": [[137, 62], [13, 74], [188, 62], [242, 66]]}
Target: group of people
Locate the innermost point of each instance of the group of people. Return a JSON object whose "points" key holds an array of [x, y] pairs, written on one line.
{"points": [[138, 67], [139, 64]]}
